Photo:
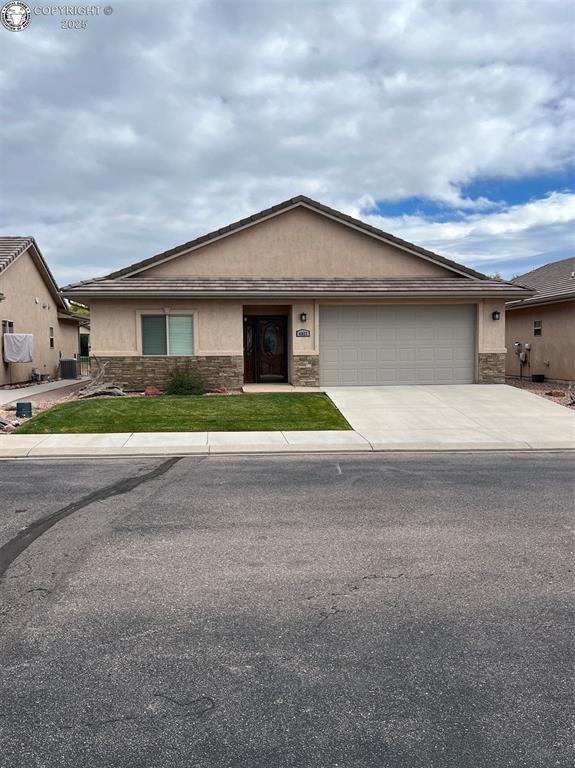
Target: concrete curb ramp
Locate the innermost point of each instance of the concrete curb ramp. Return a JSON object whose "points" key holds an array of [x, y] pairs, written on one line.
{"points": [[181, 443]]}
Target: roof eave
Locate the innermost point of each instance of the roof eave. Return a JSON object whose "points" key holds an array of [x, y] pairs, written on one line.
{"points": [[44, 269], [538, 302], [485, 294]]}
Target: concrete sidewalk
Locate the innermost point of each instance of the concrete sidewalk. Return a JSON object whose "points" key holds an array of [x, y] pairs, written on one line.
{"points": [[182, 443], [14, 394]]}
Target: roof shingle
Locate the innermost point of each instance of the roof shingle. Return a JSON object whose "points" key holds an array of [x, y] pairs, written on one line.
{"points": [[309, 286], [11, 248], [551, 282]]}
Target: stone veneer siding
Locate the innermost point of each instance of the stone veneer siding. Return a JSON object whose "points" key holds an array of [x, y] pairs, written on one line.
{"points": [[136, 373], [491, 368], [305, 371]]}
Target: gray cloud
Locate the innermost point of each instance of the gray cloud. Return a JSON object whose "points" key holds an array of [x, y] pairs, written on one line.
{"points": [[161, 122]]}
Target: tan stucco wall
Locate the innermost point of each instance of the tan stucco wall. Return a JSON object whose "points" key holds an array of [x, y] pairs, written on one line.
{"points": [[22, 284], [68, 335], [218, 325], [299, 243], [491, 333], [556, 343], [115, 325]]}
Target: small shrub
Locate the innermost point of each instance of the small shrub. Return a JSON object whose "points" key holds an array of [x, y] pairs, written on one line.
{"points": [[182, 380]]}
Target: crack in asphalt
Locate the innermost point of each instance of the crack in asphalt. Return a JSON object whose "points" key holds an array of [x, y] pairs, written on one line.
{"points": [[13, 548], [205, 703], [197, 707], [353, 586]]}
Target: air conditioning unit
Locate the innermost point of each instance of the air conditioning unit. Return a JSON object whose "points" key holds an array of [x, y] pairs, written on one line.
{"points": [[69, 368]]}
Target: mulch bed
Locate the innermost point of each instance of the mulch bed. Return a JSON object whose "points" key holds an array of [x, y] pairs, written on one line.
{"points": [[543, 389]]}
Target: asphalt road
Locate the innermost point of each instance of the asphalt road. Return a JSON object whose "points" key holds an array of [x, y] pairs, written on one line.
{"points": [[361, 611]]}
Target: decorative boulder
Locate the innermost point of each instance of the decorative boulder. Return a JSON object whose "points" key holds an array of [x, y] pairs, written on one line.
{"points": [[152, 391]]}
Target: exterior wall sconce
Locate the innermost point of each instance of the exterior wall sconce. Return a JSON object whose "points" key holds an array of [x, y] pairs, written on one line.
{"points": [[496, 315], [303, 317]]}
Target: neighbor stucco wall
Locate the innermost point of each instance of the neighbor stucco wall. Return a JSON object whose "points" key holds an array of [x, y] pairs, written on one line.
{"points": [[30, 305], [556, 345], [69, 337], [299, 243]]}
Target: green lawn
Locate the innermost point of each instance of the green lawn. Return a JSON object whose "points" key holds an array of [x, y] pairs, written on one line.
{"points": [[216, 413]]}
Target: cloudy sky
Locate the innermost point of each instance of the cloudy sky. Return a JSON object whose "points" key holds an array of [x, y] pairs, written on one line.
{"points": [[446, 122]]}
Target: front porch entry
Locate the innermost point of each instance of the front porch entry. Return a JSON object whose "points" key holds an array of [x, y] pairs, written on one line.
{"points": [[265, 349]]}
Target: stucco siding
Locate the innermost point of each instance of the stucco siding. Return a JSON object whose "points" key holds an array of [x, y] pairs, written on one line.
{"points": [[30, 305], [218, 324], [555, 346], [115, 325], [299, 243]]}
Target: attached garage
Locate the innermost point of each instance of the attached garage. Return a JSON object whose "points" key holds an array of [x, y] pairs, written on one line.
{"points": [[397, 344]]}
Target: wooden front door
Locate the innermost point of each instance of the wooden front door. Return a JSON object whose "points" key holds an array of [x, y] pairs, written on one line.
{"points": [[265, 349]]}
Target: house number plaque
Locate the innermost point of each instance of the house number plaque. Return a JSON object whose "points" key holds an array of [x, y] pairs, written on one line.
{"points": [[303, 332]]}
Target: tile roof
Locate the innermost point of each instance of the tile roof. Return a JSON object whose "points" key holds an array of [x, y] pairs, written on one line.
{"points": [[11, 248], [309, 286], [300, 200], [551, 282]]}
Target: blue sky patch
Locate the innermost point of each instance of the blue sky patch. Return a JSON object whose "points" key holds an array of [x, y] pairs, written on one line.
{"points": [[519, 191], [416, 206]]}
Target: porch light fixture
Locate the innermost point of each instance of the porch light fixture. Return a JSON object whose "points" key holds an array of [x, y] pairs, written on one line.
{"points": [[303, 317], [496, 315]]}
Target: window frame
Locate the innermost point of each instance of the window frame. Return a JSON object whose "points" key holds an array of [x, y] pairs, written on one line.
{"points": [[7, 326], [162, 313], [51, 336], [538, 327]]}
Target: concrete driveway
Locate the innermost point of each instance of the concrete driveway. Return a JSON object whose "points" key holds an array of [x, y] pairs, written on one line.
{"points": [[455, 416]]}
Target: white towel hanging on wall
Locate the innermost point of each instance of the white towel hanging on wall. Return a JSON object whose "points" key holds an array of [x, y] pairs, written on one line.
{"points": [[18, 347]]}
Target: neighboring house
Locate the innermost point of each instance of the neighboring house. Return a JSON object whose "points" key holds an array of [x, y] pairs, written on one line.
{"points": [[545, 322], [33, 304], [304, 294]]}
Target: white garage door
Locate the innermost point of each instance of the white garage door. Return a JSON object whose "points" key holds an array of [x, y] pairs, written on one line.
{"points": [[415, 344]]}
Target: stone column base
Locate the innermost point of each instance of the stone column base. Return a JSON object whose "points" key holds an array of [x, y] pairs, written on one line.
{"points": [[491, 368], [137, 372], [305, 371]]}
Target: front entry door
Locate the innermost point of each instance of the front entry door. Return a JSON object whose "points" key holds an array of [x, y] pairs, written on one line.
{"points": [[265, 349]]}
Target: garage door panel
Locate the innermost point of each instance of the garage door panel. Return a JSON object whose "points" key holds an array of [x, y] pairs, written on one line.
{"points": [[348, 355], [397, 345], [444, 355], [387, 355], [367, 334], [368, 355]]}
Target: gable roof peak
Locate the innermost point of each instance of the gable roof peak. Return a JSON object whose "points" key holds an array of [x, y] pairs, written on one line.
{"points": [[283, 207], [13, 246]]}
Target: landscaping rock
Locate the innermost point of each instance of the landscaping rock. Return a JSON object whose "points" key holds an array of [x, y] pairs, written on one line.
{"points": [[152, 391], [217, 391], [103, 392], [9, 428]]}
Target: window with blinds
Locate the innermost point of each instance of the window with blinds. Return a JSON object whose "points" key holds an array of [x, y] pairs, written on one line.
{"points": [[167, 335]]}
